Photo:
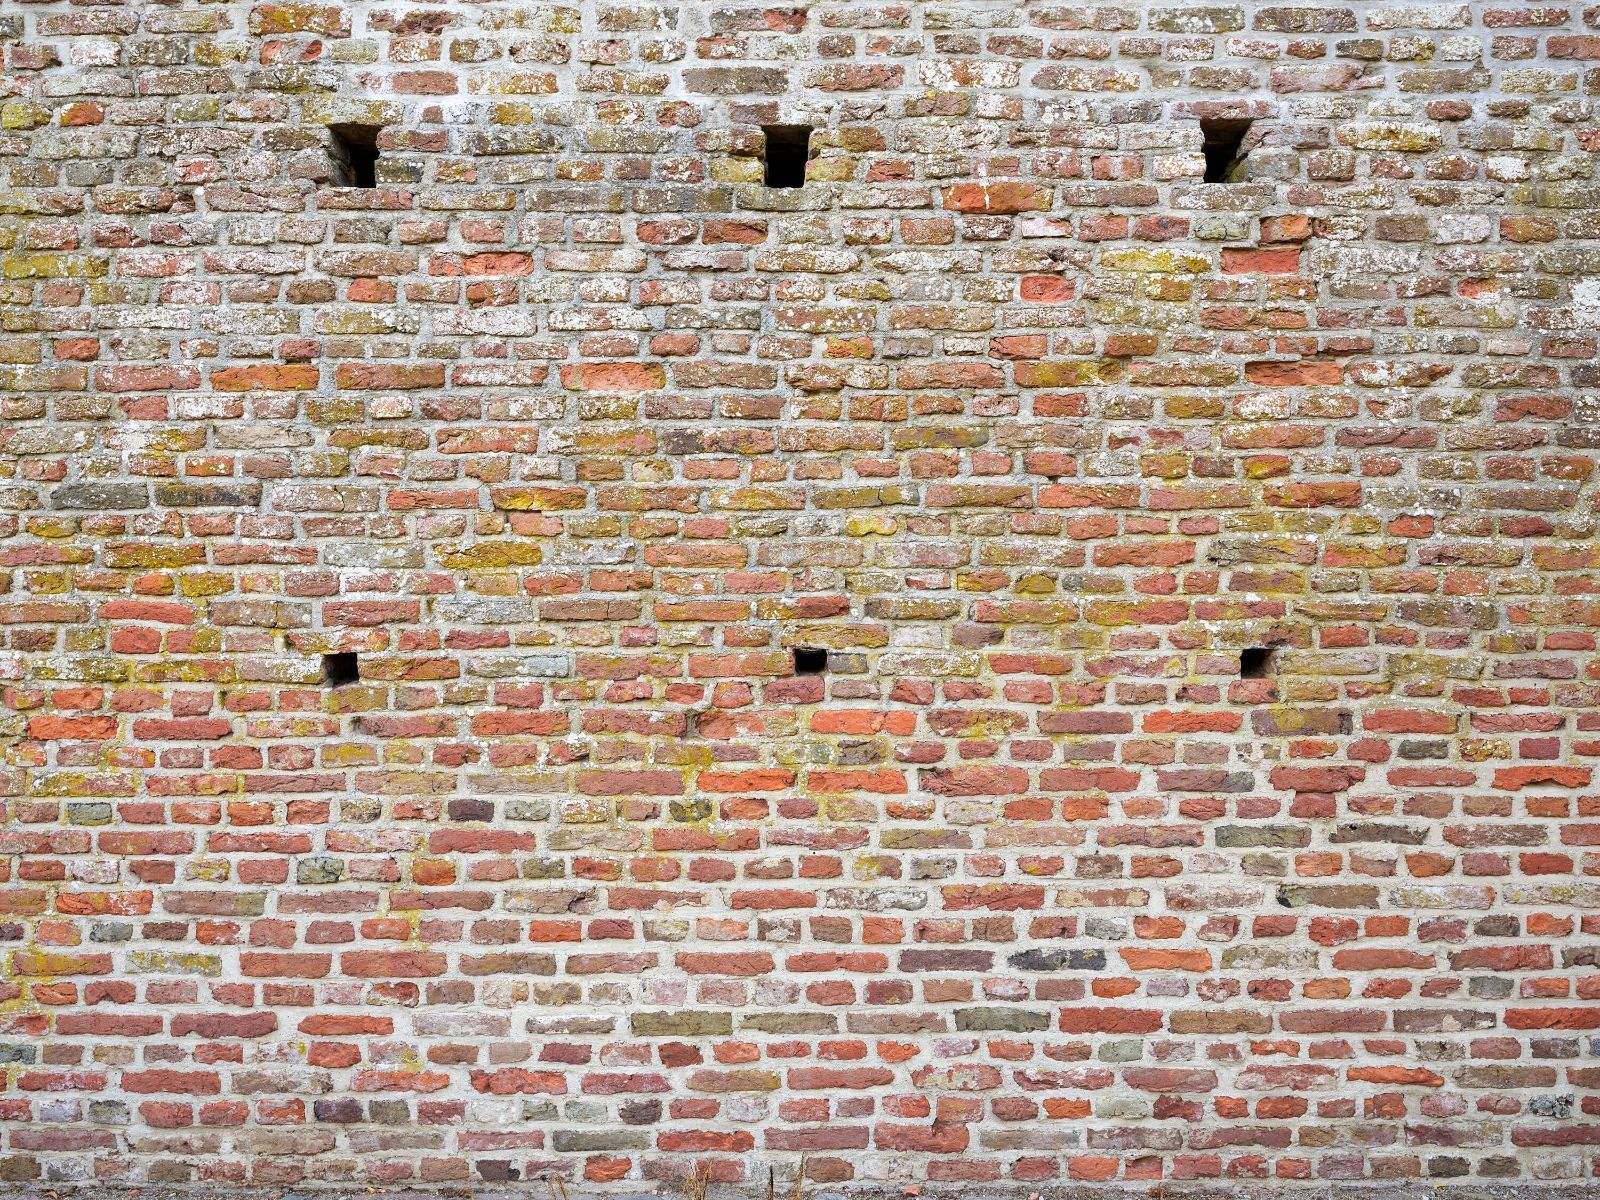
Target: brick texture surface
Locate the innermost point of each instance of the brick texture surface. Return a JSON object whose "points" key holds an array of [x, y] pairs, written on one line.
{"points": [[573, 431]]}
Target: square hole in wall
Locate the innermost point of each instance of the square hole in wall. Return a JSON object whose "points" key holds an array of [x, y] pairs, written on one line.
{"points": [[810, 660], [340, 669], [788, 147], [355, 154], [1256, 662], [1223, 146]]}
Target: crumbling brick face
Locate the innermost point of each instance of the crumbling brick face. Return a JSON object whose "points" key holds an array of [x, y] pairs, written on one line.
{"points": [[573, 432]]}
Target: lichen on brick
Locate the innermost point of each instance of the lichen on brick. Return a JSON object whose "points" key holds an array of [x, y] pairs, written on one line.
{"points": [[1059, 653]]}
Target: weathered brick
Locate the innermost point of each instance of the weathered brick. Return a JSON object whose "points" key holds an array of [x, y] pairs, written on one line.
{"points": [[1006, 666]]}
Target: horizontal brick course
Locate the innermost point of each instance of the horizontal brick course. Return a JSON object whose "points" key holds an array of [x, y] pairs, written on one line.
{"points": [[575, 433]]}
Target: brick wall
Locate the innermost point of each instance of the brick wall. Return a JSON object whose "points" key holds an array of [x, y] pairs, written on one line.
{"points": [[1197, 784]]}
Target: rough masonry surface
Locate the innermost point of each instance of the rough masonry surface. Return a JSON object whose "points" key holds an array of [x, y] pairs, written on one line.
{"points": [[573, 431]]}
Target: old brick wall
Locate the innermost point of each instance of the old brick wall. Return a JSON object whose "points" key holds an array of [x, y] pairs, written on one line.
{"points": [[573, 432]]}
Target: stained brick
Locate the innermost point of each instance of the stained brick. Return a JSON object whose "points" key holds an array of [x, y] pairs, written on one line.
{"points": [[574, 432]]}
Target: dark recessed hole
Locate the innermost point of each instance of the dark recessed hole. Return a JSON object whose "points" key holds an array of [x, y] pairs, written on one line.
{"points": [[1255, 662], [339, 669], [355, 154], [1223, 147], [788, 147], [810, 660]]}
